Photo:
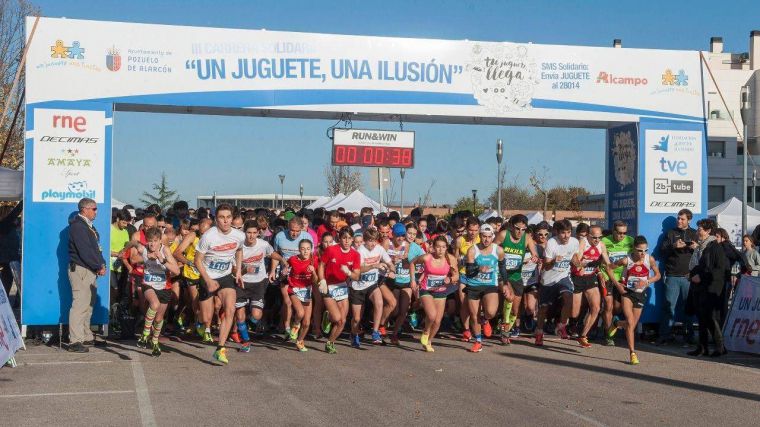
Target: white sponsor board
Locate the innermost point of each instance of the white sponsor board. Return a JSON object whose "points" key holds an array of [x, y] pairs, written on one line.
{"points": [[10, 336], [374, 138], [73, 60], [672, 171], [69, 153], [742, 329]]}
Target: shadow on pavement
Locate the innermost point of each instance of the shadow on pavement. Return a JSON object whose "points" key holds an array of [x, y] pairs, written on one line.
{"points": [[639, 376]]}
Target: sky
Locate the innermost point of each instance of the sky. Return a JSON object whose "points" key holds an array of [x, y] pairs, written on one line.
{"points": [[454, 159]]}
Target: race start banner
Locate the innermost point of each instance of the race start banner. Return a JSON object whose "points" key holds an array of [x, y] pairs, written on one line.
{"points": [[10, 336], [742, 329]]}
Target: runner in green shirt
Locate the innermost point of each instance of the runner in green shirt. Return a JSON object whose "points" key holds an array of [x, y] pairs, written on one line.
{"points": [[618, 245]]}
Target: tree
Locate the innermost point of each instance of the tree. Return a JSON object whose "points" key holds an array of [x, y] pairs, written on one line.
{"points": [[164, 197], [342, 179], [12, 40], [514, 197], [466, 204]]}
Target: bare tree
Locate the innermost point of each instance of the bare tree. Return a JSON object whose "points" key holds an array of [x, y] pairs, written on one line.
{"points": [[342, 179], [425, 200], [538, 182], [12, 39]]}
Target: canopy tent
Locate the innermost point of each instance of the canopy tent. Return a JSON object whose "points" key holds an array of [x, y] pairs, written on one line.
{"points": [[489, 213], [325, 200], [354, 202], [11, 184], [118, 204], [535, 218], [728, 215]]}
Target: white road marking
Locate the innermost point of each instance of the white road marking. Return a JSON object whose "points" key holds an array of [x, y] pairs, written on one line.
{"points": [[585, 418], [143, 396], [71, 393], [70, 362]]}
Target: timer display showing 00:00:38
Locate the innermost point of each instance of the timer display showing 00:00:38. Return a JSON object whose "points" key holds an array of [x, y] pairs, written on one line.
{"points": [[353, 155]]}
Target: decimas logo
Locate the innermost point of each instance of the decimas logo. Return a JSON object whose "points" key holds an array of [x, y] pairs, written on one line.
{"points": [[113, 59], [59, 50], [670, 79], [614, 79]]}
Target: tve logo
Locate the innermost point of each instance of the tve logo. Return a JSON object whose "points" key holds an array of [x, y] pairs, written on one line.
{"points": [[674, 166], [78, 123]]}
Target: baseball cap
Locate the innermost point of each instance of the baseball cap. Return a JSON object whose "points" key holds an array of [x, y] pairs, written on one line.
{"points": [[289, 215], [400, 229], [486, 229]]}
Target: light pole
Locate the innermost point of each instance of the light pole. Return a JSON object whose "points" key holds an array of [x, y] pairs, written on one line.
{"points": [[282, 191], [499, 155], [745, 150], [474, 200], [403, 174], [300, 190], [754, 191]]}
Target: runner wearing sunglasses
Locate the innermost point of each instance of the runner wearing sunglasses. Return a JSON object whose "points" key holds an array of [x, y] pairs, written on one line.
{"points": [[618, 245]]}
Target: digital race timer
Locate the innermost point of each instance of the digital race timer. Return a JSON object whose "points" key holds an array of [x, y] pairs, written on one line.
{"points": [[373, 148]]}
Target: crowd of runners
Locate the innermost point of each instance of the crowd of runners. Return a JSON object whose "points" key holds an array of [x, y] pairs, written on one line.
{"points": [[233, 275]]}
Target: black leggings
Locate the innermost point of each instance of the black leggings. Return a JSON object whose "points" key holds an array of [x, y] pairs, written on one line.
{"points": [[708, 307], [6, 275]]}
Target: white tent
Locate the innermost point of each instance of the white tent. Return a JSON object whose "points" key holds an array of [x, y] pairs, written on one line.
{"points": [[354, 202], [489, 213], [321, 201], [728, 215], [11, 184], [535, 217], [118, 204]]}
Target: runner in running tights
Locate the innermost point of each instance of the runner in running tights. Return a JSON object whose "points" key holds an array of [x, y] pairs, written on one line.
{"points": [[375, 264], [640, 271], [439, 280], [158, 263], [339, 264], [561, 250], [219, 250], [302, 276], [485, 267]]}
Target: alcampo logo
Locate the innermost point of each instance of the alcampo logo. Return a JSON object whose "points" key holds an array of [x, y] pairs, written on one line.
{"points": [[613, 79], [59, 50], [74, 191], [662, 144]]}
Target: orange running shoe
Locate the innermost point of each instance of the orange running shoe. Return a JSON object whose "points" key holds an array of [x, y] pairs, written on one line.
{"points": [[477, 347], [383, 331], [487, 328], [466, 335], [583, 341], [539, 339]]}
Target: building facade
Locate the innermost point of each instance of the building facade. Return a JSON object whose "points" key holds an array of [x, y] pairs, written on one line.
{"points": [[252, 201]]}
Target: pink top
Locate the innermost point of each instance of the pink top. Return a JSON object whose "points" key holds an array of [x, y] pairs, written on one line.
{"points": [[433, 277]]}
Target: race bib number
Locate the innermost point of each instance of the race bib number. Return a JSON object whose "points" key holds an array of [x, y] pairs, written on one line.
{"points": [[338, 291], [563, 265], [303, 294], [633, 282], [401, 271], [617, 256], [154, 278], [526, 274], [513, 262], [368, 277], [219, 265], [251, 268], [486, 276], [435, 281]]}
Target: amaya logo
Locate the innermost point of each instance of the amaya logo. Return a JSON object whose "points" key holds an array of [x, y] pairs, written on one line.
{"points": [[614, 79], [59, 50]]}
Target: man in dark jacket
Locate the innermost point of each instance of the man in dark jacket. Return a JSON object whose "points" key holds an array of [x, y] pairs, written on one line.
{"points": [[85, 264], [676, 250], [707, 274]]}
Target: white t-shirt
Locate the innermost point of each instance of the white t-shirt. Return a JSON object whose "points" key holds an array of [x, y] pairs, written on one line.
{"points": [[219, 250], [561, 269], [370, 277], [253, 268]]}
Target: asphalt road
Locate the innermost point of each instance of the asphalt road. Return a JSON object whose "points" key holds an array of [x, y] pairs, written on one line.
{"points": [[560, 384]]}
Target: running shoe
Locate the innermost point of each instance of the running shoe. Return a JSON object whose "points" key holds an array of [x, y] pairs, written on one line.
{"points": [[382, 330], [330, 348], [634, 359], [221, 355], [583, 341], [294, 332], [377, 338], [505, 339], [356, 341], [609, 342], [515, 332], [487, 328], [530, 324], [301, 346], [413, 320], [612, 331], [207, 338], [466, 335], [424, 340], [394, 339], [181, 322], [142, 342], [199, 329], [477, 347], [562, 332], [539, 339], [235, 337], [245, 347], [326, 325], [156, 350]]}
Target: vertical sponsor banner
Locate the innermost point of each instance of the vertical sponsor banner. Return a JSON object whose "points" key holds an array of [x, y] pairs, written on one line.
{"points": [[10, 337], [622, 175], [742, 329], [672, 176], [67, 157]]}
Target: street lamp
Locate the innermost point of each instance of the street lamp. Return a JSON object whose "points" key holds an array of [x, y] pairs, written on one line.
{"points": [[403, 174], [301, 192], [474, 200], [745, 151], [282, 191], [499, 155], [754, 191]]}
